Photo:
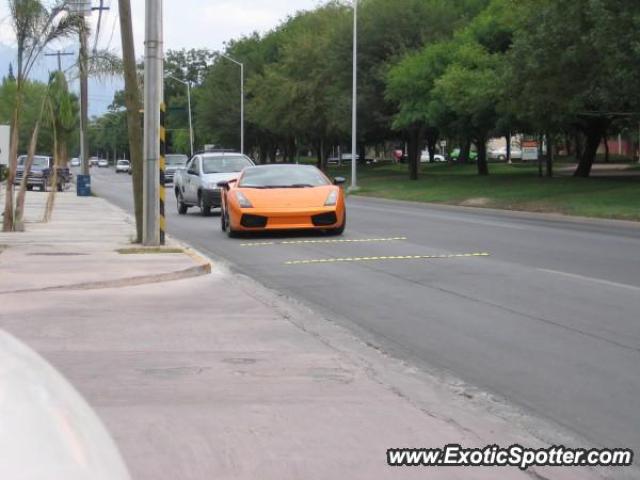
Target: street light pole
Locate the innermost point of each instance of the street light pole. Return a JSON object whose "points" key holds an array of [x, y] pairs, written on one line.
{"points": [[241, 98], [354, 113], [188, 84]]}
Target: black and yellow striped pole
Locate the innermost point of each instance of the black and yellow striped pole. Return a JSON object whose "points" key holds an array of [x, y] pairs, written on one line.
{"points": [[163, 151]]}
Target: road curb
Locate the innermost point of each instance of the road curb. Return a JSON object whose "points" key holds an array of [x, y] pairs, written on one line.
{"points": [[197, 271]]}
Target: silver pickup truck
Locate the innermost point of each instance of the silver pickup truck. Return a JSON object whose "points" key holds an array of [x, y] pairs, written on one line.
{"points": [[196, 185]]}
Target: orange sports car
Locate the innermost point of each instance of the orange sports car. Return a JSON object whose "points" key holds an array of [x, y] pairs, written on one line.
{"points": [[282, 197]]}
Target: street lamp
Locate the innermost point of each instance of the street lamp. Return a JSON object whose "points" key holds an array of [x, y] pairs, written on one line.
{"points": [[354, 113], [188, 84], [241, 98]]}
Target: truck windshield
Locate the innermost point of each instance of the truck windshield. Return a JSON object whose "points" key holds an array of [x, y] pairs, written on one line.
{"points": [[41, 162], [225, 164], [176, 160]]}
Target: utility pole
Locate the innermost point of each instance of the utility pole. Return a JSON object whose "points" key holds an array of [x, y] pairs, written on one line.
{"points": [[153, 94], [132, 102], [58, 54], [354, 112], [84, 98]]}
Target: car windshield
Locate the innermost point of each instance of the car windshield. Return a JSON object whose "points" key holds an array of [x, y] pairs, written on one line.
{"points": [[37, 161], [123, 162], [283, 176], [176, 160], [224, 164]]}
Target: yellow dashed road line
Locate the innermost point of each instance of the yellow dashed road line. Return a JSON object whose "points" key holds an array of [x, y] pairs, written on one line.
{"points": [[394, 257], [343, 240]]}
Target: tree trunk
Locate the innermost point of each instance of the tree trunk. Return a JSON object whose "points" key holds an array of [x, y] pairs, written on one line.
{"points": [[7, 222], [51, 198], [578, 142], [594, 131], [414, 152], [606, 147], [567, 145], [463, 158], [549, 155], [432, 140], [132, 102], [19, 213], [508, 139], [483, 166]]}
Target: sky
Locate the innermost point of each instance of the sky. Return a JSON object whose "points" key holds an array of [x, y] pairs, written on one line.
{"points": [[187, 24]]}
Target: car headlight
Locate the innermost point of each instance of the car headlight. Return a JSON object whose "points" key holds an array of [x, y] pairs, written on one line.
{"points": [[332, 199], [212, 186], [243, 200]]}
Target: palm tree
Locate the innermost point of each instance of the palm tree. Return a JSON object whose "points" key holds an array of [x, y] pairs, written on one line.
{"points": [[35, 26]]}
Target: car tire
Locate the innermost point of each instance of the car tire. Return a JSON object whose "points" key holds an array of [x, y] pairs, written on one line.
{"points": [[340, 230], [29, 187], [223, 221], [231, 233], [205, 210], [182, 207]]}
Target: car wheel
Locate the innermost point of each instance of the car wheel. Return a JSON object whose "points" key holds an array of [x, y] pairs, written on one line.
{"points": [[340, 229], [43, 187], [231, 233], [205, 210], [182, 208], [29, 187], [223, 221]]}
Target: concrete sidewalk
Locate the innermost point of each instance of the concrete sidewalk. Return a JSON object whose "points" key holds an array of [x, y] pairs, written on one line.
{"points": [[78, 249], [216, 377]]}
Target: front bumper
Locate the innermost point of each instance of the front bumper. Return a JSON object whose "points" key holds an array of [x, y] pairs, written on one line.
{"points": [[248, 219], [211, 197], [31, 180]]}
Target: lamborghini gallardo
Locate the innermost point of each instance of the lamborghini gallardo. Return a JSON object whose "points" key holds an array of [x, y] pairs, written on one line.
{"points": [[282, 197]]}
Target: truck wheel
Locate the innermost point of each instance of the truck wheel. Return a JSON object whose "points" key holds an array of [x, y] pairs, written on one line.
{"points": [[205, 210], [182, 208], [30, 187]]}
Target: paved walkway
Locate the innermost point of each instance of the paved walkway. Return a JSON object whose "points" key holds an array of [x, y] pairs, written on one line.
{"points": [[216, 377]]}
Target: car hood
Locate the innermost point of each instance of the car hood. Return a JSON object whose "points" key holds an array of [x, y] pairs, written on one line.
{"points": [[173, 168], [288, 197], [214, 178]]}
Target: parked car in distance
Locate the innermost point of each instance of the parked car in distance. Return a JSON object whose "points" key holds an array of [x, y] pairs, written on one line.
{"points": [[123, 166], [455, 154], [40, 173], [424, 157], [501, 153], [196, 185], [103, 163], [75, 162], [344, 158], [173, 162], [93, 161]]}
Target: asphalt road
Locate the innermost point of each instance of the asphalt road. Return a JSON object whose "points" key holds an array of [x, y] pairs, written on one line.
{"points": [[550, 321]]}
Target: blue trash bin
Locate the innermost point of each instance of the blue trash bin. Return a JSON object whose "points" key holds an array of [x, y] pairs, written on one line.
{"points": [[83, 185]]}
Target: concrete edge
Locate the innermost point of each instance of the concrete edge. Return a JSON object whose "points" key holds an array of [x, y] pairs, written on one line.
{"points": [[521, 214], [190, 272]]}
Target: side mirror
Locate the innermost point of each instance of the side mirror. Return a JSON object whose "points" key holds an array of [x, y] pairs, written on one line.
{"points": [[339, 181], [225, 183], [192, 172]]}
